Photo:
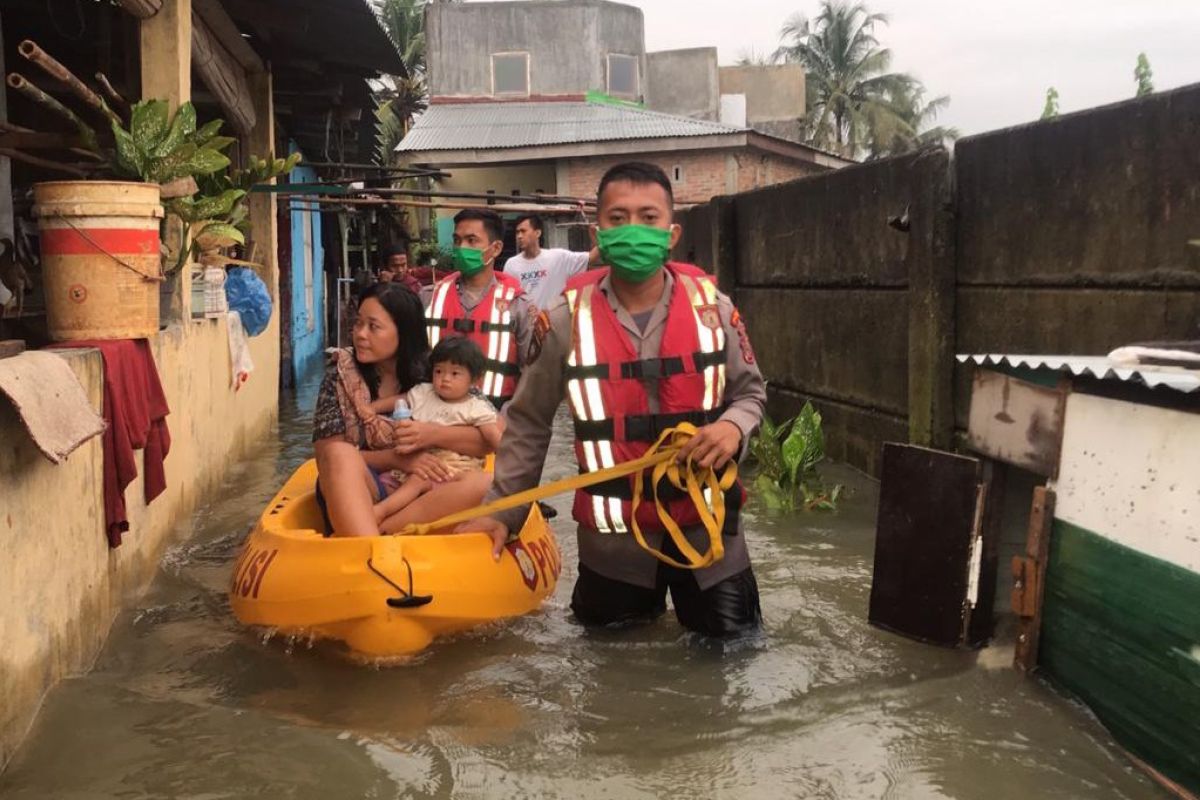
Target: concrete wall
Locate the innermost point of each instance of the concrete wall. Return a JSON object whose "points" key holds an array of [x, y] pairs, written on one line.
{"points": [[684, 82], [63, 586], [308, 270], [461, 38], [773, 93], [1080, 225], [775, 99], [1067, 236]]}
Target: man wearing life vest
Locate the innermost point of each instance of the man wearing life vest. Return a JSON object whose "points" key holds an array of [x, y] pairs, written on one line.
{"points": [[487, 306], [637, 348]]}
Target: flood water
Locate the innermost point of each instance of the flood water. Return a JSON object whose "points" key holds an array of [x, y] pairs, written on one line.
{"points": [[183, 702]]}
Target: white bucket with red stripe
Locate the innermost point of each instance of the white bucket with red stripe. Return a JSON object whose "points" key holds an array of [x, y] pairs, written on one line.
{"points": [[101, 264]]}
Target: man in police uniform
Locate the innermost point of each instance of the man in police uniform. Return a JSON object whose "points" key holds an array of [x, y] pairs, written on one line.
{"points": [[479, 302], [618, 581]]}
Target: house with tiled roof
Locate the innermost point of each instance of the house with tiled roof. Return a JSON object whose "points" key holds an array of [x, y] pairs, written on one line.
{"points": [[543, 96]]}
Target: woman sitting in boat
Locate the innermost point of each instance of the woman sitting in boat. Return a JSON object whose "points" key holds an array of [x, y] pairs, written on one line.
{"points": [[358, 446]]}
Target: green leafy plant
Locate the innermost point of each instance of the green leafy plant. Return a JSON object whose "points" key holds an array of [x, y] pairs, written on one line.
{"points": [[159, 148], [787, 456], [426, 253], [218, 217]]}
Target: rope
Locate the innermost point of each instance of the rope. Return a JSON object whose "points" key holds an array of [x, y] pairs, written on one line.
{"points": [[660, 459], [151, 278]]}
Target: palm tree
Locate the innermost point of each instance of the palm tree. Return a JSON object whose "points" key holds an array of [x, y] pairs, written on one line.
{"points": [[855, 104], [402, 99], [909, 122]]}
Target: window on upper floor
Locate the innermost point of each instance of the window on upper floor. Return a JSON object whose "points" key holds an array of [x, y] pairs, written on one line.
{"points": [[622, 75], [510, 74]]}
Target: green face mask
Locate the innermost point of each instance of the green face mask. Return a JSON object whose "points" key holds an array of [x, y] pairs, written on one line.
{"points": [[468, 261], [635, 252]]}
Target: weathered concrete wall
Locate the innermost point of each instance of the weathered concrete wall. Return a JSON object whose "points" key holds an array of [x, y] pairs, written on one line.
{"points": [[828, 290], [684, 82], [773, 92], [1067, 236], [63, 586], [461, 38], [1073, 233]]}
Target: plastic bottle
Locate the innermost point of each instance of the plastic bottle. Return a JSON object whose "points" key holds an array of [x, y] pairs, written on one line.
{"points": [[401, 411]]}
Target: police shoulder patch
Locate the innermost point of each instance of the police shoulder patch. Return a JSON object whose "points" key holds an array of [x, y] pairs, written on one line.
{"points": [[739, 324], [540, 326]]}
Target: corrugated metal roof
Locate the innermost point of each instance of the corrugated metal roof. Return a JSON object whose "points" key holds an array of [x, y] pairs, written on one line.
{"points": [[1181, 380], [490, 126]]}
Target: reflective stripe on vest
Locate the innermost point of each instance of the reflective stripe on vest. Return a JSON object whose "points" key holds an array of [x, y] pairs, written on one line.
{"points": [[703, 296], [587, 400], [437, 305], [500, 340], [587, 404]]}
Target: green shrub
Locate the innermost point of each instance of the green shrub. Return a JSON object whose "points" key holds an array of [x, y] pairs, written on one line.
{"points": [[787, 456]]}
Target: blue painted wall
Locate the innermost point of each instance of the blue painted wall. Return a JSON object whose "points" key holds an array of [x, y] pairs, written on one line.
{"points": [[308, 284]]}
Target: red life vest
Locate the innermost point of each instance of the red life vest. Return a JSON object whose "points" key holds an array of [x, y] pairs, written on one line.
{"points": [[491, 325], [608, 387]]}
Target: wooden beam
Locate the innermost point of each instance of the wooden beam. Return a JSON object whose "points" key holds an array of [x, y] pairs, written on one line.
{"points": [[226, 30], [17, 155], [165, 40], [142, 9], [223, 75], [40, 141], [165, 45], [264, 224], [1029, 579]]}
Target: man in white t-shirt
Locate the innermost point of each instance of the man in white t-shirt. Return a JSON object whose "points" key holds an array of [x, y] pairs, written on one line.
{"points": [[543, 273]]}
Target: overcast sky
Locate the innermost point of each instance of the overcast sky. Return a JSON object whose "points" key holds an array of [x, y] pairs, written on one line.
{"points": [[994, 59]]}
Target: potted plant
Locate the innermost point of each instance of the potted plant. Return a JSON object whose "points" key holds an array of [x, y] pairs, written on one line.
{"points": [[101, 242], [101, 239]]}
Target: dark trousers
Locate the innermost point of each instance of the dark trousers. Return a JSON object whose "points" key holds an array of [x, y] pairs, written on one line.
{"points": [[726, 608]]}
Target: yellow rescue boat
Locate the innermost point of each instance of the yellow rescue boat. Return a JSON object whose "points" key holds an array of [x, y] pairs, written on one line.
{"points": [[382, 595]]}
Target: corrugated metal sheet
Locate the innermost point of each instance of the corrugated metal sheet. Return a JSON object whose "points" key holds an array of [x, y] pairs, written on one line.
{"points": [[490, 126], [1181, 380]]}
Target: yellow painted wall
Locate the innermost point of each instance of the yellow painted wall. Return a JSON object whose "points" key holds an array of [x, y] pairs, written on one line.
{"points": [[60, 583]]}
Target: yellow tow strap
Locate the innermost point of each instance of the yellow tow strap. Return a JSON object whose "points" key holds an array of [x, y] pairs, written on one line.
{"points": [[660, 458]]}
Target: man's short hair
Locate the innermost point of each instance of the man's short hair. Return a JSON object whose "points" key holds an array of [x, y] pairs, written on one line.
{"points": [[534, 221], [490, 219], [461, 351], [638, 173], [394, 250]]}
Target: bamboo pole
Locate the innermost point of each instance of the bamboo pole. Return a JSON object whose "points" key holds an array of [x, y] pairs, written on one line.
{"points": [[306, 202], [374, 167], [17, 155], [8, 127], [113, 94], [26, 87], [550, 199], [29, 49]]}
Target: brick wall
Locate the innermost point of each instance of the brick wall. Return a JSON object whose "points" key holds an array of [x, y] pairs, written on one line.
{"points": [[704, 173]]}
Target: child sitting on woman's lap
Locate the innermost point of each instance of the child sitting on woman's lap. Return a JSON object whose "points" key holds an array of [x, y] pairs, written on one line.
{"points": [[448, 400]]}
